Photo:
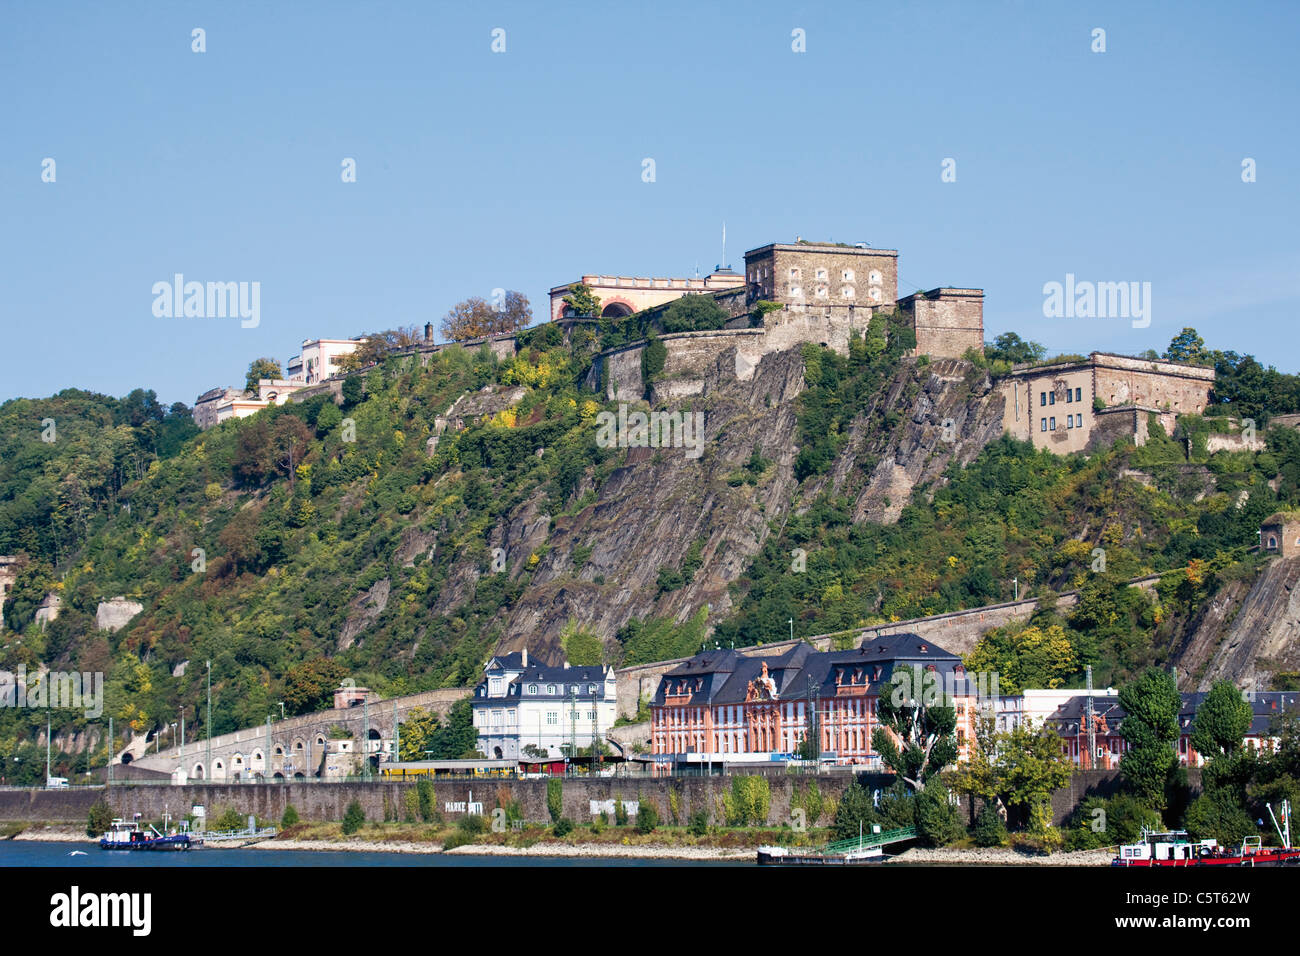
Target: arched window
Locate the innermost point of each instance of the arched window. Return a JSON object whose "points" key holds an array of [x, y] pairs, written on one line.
{"points": [[532, 688]]}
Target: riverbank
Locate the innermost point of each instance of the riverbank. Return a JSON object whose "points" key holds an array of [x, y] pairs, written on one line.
{"points": [[37, 833], [541, 847], [999, 856]]}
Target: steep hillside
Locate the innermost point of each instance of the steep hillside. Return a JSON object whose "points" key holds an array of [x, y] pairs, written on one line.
{"points": [[1250, 633], [467, 504]]}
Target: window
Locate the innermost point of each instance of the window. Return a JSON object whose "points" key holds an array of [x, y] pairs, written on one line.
{"points": [[1044, 426], [550, 688], [1069, 421], [846, 292], [794, 273], [822, 291], [821, 273], [1078, 420], [846, 275], [795, 290], [1078, 394], [552, 717], [875, 294], [1053, 425], [1051, 399], [1069, 394], [874, 277], [532, 688], [1042, 398]]}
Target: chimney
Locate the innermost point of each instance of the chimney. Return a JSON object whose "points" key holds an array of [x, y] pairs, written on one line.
{"points": [[525, 657], [428, 331]]}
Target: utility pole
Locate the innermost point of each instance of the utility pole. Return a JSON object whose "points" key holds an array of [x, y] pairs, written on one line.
{"points": [[47, 748], [1015, 583], [207, 773], [266, 761], [110, 751], [397, 734], [365, 711], [792, 629], [1092, 730], [573, 728]]}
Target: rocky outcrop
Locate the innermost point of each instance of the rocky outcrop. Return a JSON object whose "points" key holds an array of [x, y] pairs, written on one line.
{"points": [[601, 566], [941, 412], [1248, 632], [116, 614], [363, 610]]}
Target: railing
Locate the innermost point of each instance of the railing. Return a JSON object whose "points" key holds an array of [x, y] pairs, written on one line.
{"points": [[218, 836], [868, 840]]}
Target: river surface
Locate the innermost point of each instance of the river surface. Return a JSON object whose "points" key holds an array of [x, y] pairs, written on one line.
{"points": [[20, 853]]}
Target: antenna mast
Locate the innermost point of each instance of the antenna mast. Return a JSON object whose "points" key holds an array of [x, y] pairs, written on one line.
{"points": [[1092, 727]]}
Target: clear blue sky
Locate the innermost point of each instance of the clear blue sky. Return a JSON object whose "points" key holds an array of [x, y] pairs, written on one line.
{"points": [[522, 170]]}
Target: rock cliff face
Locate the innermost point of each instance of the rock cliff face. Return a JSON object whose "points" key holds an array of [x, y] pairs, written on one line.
{"points": [[600, 567], [945, 411], [1248, 633]]}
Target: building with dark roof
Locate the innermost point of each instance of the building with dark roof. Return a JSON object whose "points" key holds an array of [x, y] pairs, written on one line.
{"points": [[726, 706], [523, 704], [1069, 720]]}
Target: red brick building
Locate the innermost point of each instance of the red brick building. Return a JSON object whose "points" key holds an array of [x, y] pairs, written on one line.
{"points": [[727, 707]]}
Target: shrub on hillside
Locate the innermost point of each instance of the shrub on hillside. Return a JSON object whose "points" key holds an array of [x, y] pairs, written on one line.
{"points": [[353, 818]]}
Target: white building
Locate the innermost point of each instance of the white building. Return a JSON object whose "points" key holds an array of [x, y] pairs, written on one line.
{"points": [[318, 359], [1037, 705], [519, 705]]}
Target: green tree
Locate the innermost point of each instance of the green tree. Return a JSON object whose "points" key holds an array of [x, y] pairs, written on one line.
{"points": [[989, 830], [416, 733], [1222, 721], [1186, 346], [1216, 814], [938, 821], [100, 818], [555, 798], [426, 799], [289, 817], [581, 648], [855, 814], [259, 369], [1032, 766], [917, 736], [457, 739], [354, 817], [583, 302], [1010, 347], [694, 313], [1151, 704]]}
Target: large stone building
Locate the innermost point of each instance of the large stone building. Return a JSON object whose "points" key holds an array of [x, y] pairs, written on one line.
{"points": [[1074, 406], [722, 707], [820, 275], [1279, 534], [550, 709], [623, 295]]}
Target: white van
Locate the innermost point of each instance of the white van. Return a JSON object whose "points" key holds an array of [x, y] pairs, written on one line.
{"points": [[56, 783]]}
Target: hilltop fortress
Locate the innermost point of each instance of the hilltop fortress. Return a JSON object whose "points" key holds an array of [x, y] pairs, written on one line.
{"points": [[818, 292], [791, 294]]}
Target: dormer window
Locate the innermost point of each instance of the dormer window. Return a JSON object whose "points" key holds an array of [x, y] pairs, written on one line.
{"points": [[532, 688], [550, 689]]}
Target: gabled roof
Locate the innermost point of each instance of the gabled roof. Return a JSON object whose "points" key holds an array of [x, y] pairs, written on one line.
{"points": [[724, 677]]}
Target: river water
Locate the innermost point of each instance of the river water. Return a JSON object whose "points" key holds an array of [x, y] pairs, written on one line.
{"points": [[21, 853]]}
